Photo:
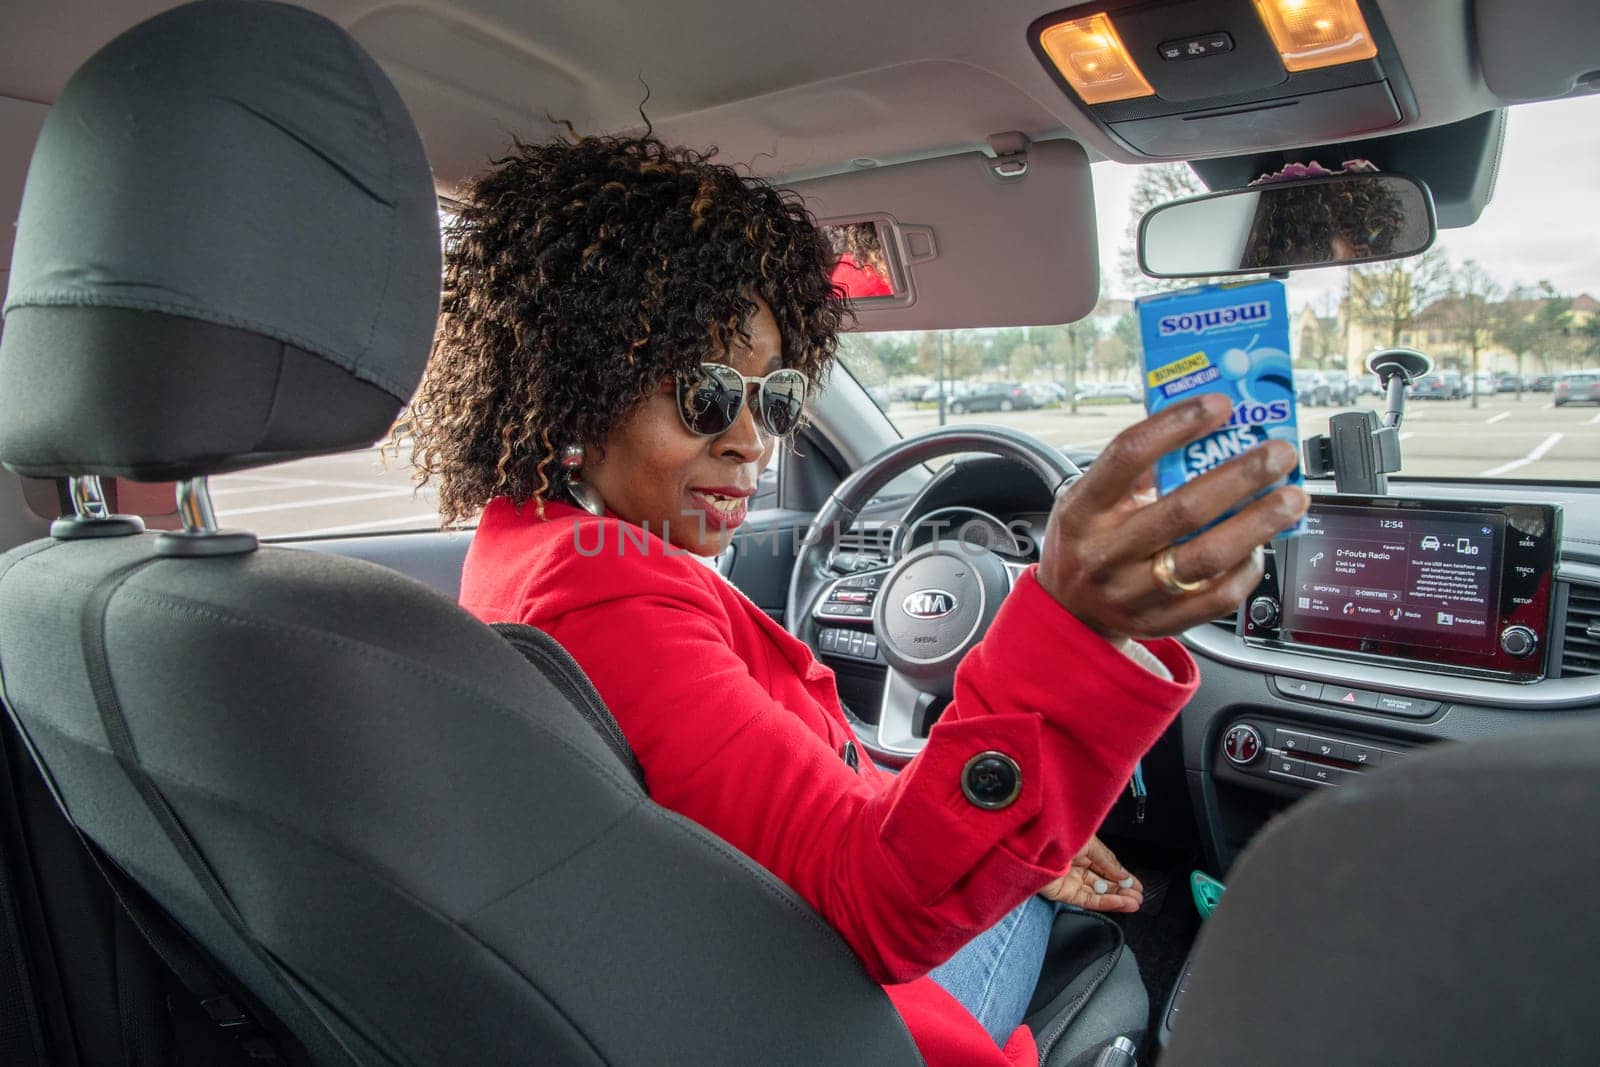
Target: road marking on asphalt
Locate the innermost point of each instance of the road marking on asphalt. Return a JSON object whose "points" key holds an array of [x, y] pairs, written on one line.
{"points": [[1532, 457], [408, 521], [349, 498], [291, 483], [1407, 434], [1498, 418], [1550, 407], [1595, 419]]}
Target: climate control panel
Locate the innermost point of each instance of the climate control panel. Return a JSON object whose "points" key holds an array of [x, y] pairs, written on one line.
{"points": [[1301, 755]]}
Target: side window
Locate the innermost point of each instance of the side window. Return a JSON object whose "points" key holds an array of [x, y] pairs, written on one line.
{"points": [[365, 491]]}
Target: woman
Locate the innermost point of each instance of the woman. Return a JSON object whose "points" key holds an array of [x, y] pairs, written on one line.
{"points": [[628, 332]]}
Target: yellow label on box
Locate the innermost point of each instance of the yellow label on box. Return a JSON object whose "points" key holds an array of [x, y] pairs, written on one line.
{"points": [[1178, 368]]}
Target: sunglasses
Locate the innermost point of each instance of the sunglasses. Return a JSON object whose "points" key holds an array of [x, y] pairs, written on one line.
{"points": [[710, 399]]}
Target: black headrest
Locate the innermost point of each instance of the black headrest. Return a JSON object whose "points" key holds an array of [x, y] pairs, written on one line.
{"points": [[227, 253]]}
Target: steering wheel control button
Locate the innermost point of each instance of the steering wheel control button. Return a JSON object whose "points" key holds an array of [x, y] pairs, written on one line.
{"points": [[1518, 641], [991, 780], [1299, 688], [1241, 744]]}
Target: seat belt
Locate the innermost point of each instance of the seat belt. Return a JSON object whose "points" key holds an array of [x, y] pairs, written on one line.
{"points": [[175, 949]]}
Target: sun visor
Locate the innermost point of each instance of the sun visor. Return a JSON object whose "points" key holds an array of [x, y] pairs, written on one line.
{"points": [[1541, 58], [975, 240]]}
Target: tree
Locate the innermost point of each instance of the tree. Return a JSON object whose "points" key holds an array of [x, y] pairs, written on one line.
{"points": [[1473, 314], [1157, 184], [1589, 335], [1554, 320], [1517, 326], [1126, 330], [1390, 295]]}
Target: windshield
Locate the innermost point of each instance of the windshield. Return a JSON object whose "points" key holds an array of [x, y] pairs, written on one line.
{"points": [[1506, 307]]}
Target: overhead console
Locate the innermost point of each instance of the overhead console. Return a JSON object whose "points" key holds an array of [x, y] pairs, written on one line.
{"points": [[1187, 79], [1455, 587]]}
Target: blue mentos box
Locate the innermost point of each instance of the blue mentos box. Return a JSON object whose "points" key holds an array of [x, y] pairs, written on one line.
{"points": [[1229, 339]]}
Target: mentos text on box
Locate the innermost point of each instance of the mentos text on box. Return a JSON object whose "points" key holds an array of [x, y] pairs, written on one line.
{"points": [[1229, 339]]}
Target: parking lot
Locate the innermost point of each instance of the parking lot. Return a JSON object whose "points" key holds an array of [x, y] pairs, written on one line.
{"points": [[360, 492]]}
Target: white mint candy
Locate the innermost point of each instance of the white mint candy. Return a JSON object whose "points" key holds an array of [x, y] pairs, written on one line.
{"points": [[1101, 885], [1127, 883]]}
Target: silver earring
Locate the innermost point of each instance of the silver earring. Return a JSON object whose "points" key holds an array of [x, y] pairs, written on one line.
{"points": [[583, 495]]}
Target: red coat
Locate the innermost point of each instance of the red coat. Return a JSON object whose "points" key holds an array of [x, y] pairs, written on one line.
{"points": [[738, 727]]}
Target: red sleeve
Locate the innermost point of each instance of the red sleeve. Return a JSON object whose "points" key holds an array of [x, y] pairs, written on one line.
{"points": [[909, 873]]}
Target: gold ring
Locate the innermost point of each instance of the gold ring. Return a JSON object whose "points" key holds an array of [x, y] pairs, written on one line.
{"points": [[1167, 575]]}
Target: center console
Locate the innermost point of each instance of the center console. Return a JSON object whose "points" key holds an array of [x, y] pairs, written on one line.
{"points": [[1457, 587]]}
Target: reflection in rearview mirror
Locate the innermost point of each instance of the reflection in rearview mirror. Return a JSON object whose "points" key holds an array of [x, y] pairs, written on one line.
{"points": [[863, 267], [1315, 222]]}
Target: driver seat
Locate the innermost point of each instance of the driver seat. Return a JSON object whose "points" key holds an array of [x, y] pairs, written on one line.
{"points": [[397, 835]]}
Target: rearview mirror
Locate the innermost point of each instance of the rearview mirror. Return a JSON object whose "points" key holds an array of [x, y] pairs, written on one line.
{"points": [[1290, 225]]}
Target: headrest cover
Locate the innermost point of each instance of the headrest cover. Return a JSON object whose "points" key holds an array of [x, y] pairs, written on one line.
{"points": [[234, 163]]}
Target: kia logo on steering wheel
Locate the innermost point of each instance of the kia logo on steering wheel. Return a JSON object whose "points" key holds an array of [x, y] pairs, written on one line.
{"points": [[929, 604]]}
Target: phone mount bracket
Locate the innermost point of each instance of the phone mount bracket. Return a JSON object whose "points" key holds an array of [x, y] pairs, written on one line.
{"points": [[1359, 450]]}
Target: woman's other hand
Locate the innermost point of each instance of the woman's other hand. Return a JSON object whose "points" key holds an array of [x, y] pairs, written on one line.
{"points": [[1096, 882], [1107, 528]]}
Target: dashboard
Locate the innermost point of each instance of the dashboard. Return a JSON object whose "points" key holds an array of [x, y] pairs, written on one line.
{"points": [[1443, 612]]}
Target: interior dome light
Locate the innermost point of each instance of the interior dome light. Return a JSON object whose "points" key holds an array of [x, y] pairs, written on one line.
{"points": [[1090, 55], [1317, 33]]}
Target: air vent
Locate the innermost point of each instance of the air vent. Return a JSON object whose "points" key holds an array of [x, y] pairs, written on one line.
{"points": [[1580, 653], [863, 546], [1228, 622]]}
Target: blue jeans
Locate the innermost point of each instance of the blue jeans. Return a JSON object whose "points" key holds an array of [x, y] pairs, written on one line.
{"points": [[994, 974]]}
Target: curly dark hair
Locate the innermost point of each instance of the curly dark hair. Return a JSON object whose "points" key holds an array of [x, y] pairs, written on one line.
{"points": [[1297, 224], [581, 273]]}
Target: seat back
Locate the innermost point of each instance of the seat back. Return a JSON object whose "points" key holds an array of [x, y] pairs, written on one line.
{"points": [[401, 837], [1437, 912]]}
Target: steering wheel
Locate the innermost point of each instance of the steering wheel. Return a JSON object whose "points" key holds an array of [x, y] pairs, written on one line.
{"points": [[930, 608]]}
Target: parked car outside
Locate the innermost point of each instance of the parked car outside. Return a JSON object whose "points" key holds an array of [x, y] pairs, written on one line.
{"points": [[930, 394], [1543, 383], [1341, 388], [1110, 391], [994, 396], [1440, 385], [1486, 383], [1577, 387], [1505, 382], [1044, 394], [1310, 389]]}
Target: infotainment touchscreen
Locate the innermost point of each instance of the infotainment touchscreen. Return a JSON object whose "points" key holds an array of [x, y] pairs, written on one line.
{"points": [[1424, 578], [1460, 586]]}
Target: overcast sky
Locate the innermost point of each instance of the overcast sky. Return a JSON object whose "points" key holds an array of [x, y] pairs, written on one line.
{"points": [[1543, 222]]}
